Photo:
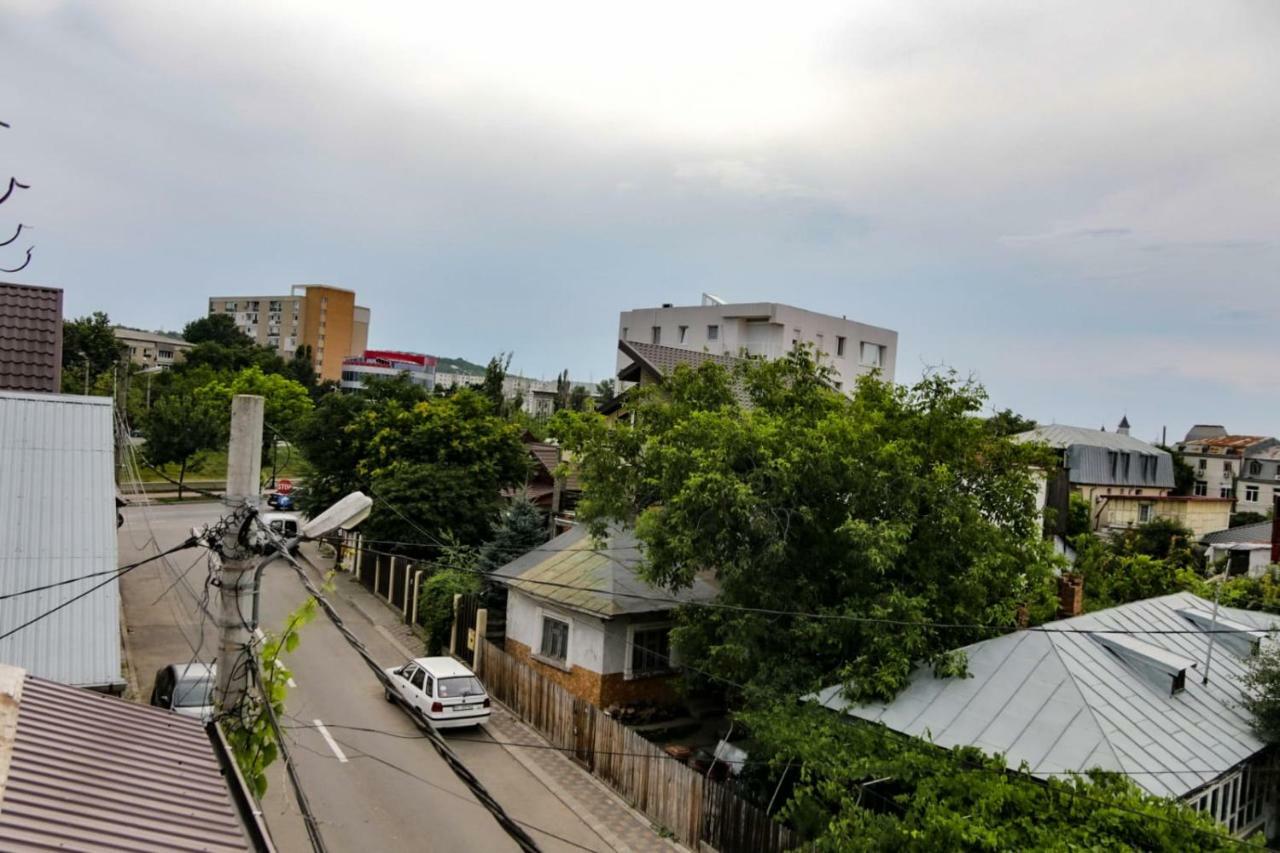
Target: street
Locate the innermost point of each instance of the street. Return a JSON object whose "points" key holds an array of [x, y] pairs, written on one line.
{"points": [[372, 780]]}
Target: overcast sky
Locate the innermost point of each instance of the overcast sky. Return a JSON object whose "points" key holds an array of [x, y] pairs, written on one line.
{"points": [[1078, 203]]}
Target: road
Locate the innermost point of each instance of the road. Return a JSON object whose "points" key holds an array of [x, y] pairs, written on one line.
{"points": [[371, 778]]}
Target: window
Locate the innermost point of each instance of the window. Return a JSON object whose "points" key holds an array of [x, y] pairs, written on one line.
{"points": [[650, 651], [1255, 468], [840, 345], [795, 337], [1251, 494], [418, 679], [430, 687], [713, 334], [460, 685], [555, 639], [1144, 513], [1225, 492], [275, 305], [1204, 464], [684, 333], [1228, 467], [229, 306], [1201, 489], [872, 354], [624, 332], [822, 347], [657, 335]]}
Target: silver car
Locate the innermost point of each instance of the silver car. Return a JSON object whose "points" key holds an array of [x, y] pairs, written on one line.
{"points": [[186, 689]]}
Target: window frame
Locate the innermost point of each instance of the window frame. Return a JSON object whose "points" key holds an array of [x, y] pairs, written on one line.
{"points": [[840, 339], [1257, 493], [629, 672], [1201, 489], [713, 334], [539, 655]]}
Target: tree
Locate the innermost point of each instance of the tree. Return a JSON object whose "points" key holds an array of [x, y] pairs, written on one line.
{"points": [[181, 425], [521, 527], [301, 369], [863, 787], [563, 390], [285, 404], [896, 503], [579, 399], [218, 329], [90, 340], [1008, 422], [1184, 476], [1241, 519], [1262, 694], [1079, 516], [493, 386], [606, 392]]}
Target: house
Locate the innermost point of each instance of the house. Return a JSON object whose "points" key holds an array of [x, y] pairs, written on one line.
{"points": [[1125, 481], [1066, 698], [148, 349], [57, 524], [1249, 549], [83, 771], [1243, 467], [30, 338], [765, 330], [540, 486], [579, 614]]}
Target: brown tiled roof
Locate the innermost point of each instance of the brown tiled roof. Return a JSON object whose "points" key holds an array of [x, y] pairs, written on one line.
{"points": [[30, 338], [663, 360], [89, 771], [546, 455]]}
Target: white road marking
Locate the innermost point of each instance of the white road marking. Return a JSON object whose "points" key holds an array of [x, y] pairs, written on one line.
{"points": [[333, 744]]}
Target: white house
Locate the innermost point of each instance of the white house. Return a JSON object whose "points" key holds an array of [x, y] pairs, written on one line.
{"points": [[1247, 548]]}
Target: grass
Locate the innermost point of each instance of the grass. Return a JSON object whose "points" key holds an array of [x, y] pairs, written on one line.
{"points": [[212, 465]]}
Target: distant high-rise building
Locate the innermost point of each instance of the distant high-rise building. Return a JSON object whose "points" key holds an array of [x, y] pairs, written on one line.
{"points": [[766, 330], [324, 318]]}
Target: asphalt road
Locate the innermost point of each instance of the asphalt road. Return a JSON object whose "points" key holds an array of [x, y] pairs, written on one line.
{"points": [[373, 781]]}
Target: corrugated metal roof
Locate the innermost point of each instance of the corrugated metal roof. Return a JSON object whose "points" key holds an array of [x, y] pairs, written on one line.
{"points": [[1062, 436], [30, 338], [1095, 457], [91, 772], [58, 521], [1259, 533], [571, 571], [1063, 702]]}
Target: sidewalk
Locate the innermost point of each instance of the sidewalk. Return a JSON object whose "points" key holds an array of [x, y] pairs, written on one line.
{"points": [[619, 825]]}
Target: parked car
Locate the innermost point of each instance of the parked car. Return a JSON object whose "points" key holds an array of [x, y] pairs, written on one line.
{"points": [[446, 691], [284, 524], [186, 689], [279, 501]]}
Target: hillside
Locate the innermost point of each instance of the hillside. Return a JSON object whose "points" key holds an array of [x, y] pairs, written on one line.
{"points": [[458, 365]]}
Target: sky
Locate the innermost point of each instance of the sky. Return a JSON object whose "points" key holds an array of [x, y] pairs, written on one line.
{"points": [[1076, 203]]}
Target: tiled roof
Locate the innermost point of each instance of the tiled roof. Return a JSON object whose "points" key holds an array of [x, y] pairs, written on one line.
{"points": [[1069, 702], [572, 571], [58, 523], [91, 772], [663, 360], [30, 338], [546, 455]]}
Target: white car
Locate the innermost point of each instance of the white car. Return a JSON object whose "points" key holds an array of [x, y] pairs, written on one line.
{"points": [[446, 692]]}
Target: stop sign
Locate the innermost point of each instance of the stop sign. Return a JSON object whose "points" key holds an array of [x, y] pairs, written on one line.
{"points": [[284, 486]]}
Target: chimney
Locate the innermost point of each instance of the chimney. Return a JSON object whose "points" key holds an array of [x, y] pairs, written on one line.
{"points": [[1070, 596], [1275, 531]]}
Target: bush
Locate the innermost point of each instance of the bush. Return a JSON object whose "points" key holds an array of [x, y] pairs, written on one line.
{"points": [[435, 603]]}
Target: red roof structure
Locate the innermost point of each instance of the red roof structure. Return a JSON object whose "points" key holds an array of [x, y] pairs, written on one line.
{"points": [[30, 338]]}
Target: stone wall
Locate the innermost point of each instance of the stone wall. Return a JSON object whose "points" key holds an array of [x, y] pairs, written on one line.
{"points": [[582, 683]]}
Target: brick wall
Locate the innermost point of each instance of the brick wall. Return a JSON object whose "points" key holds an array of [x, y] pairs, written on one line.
{"points": [[600, 690], [582, 683]]}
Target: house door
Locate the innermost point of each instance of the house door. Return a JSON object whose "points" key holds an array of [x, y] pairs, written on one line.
{"points": [[584, 733]]}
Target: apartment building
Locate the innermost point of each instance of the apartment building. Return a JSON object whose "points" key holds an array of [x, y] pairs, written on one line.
{"points": [[763, 329], [1243, 467], [148, 349], [324, 318]]}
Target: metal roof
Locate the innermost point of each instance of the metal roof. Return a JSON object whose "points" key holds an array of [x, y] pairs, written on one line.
{"points": [[1062, 437], [30, 338], [571, 571], [1255, 533], [1064, 702], [1095, 457], [1200, 431], [1231, 442], [91, 772], [57, 522]]}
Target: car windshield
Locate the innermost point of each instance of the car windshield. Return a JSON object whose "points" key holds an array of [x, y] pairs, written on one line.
{"points": [[193, 694], [462, 685]]}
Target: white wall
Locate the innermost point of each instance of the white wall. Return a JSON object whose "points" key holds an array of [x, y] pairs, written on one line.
{"points": [[586, 633]]}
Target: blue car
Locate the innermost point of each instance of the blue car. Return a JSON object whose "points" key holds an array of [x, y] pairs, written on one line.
{"points": [[279, 501]]}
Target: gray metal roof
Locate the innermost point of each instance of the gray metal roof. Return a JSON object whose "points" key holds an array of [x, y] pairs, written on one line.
{"points": [[1260, 532], [91, 772], [1062, 437], [1095, 457], [1063, 702], [596, 578], [57, 522]]}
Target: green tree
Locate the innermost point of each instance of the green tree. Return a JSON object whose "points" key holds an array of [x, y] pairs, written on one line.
{"points": [[218, 329], [285, 404], [450, 576], [579, 399], [301, 369], [1079, 516], [1262, 694], [862, 787], [521, 527], [181, 425], [564, 390], [1007, 422], [1240, 519], [606, 392], [896, 503], [89, 341], [1184, 476], [493, 386]]}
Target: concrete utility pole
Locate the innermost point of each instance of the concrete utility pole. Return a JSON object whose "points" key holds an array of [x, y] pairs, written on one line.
{"points": [[244, 478]]}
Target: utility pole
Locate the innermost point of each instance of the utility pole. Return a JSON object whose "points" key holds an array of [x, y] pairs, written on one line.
{"points": [[235, 578]]}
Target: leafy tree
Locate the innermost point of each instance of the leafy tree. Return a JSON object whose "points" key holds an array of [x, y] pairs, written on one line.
{"points": [[1007, 422], [1241, 519], [563, 392], [1262, 696], [1161, 538], [606, 392], [218, 329], [862, 787], [301, 369], [450, 577], [285, 404], [579, 399], [521, 527], [182, 424], [1079, 516], [492, 387], [90, 339], [896, 503], [1184, 476]]}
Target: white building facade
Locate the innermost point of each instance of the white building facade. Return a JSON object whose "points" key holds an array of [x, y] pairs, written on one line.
{"points": [[767, 330]]}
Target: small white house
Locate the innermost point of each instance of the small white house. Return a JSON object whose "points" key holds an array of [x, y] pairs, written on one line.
{"points": [[579, 614], [1247, 548]]}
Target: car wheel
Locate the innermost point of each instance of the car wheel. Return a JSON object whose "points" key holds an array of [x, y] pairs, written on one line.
{"points": [[386, 691]]}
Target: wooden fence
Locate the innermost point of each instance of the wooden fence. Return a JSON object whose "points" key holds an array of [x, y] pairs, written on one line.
{"points": [[694, 808]]}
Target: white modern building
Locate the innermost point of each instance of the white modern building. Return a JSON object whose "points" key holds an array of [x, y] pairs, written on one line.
{"points": [[764, 329], [385, 364]]}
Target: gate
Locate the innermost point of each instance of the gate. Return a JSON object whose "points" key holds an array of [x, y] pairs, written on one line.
{"points": [[464, 625]]}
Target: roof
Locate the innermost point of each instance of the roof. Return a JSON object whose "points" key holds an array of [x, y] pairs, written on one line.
{"points": [[444, 667], [1255, 533], [58, 522], [127, 334], [30, 338], [1070, 702], [1200, 431], [571, 571], [91, 772], [1097, 457], [1062, 437], [1231, 442], [547, 455], [663, 360]]}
